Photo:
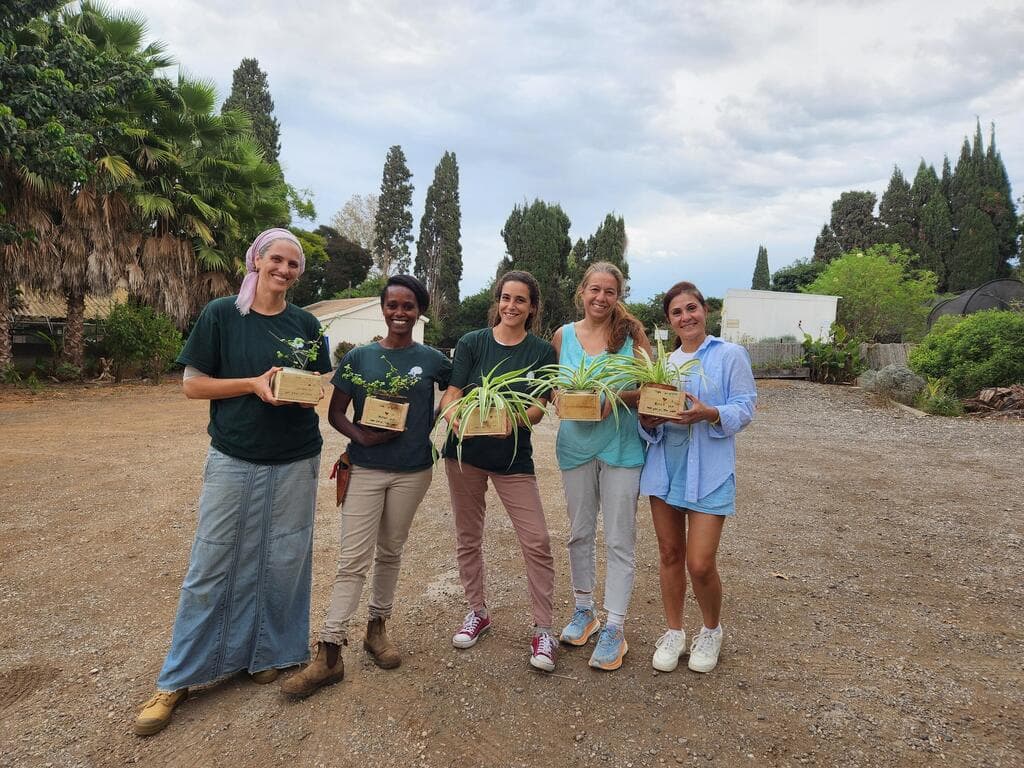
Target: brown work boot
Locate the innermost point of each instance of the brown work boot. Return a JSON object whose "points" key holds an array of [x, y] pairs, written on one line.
{"points": [[156, 713], [326, 668], [384, 652]]}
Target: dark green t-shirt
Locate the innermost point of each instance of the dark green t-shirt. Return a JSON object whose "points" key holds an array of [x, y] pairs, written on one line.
{"points": [[410, 451], [475, 355], [228, 345]]}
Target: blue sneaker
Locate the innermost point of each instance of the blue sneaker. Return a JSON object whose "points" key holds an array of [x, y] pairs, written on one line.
{"points": [[610, 649], [583, 624]]}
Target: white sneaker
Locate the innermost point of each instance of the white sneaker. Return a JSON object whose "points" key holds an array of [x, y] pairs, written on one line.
{"points": [[670, 647], [705, 649]]}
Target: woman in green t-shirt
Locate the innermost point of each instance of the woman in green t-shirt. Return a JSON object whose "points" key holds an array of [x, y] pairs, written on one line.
{"points": [[507, 462], [391, 472], [244, 602]]}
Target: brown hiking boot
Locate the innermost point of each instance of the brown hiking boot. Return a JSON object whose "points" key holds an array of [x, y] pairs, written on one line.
{"points": [[156, 713], [384, 652], [326, 668]]}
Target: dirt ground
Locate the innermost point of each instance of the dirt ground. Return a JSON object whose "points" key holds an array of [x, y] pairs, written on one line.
{"points": [[873, 608]]}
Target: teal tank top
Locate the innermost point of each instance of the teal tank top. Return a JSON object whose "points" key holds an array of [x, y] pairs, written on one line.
{"points": [[616, 444]]}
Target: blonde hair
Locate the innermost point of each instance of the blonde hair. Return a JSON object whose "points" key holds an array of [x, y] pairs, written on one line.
{"points": [[623, 323]]}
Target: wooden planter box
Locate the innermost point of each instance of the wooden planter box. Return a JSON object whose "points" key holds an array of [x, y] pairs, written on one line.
{"points": [[661, 400], [496, 424], [294, 385], [385, 412], [579, 406]]}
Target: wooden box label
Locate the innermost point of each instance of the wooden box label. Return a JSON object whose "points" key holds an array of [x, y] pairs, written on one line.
{"points": [[579, 406], [495, 425], [293, 385], [660, 400], [384, 414]]}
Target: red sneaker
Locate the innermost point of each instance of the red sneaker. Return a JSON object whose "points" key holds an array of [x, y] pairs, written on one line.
{"points": [[473, 626], [543, 651]]}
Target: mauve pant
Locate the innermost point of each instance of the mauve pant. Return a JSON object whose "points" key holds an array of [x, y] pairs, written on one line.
{"points": [[521, 497]]}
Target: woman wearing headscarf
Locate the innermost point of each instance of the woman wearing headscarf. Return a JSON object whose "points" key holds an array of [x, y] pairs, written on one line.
{"points": [[244, 602]]}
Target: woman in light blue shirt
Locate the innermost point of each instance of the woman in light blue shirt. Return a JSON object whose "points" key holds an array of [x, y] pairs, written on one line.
{"points": [[689, 474]]}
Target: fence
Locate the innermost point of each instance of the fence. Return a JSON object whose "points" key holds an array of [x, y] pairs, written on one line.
{"points": [[768, 352], [877, 356]]}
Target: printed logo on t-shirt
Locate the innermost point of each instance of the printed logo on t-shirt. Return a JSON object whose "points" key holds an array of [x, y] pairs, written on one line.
{"points": [[415, 371]]}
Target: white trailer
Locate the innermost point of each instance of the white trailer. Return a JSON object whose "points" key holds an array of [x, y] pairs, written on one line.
{"points": [[751, 316]]}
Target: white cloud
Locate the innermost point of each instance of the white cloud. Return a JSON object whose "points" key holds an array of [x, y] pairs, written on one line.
{"points": [[710, 126]]}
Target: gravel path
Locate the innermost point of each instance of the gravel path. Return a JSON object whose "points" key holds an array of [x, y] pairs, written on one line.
{"points": [[873, 583]]}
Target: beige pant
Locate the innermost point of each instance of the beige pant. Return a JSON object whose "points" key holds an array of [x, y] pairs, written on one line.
{"points": [[375, 522]]}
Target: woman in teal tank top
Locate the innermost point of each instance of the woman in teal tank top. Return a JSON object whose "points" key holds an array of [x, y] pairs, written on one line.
{"points": [[601, 463]]}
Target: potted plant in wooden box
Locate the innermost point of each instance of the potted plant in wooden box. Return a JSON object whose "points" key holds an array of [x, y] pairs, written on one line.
{"points": [[293, 383], [385, 405], [493, 407], [661, 382], [580, 389]]}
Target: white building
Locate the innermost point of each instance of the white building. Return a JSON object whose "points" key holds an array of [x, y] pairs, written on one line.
{"points": [[357, 321], [750, 316]]}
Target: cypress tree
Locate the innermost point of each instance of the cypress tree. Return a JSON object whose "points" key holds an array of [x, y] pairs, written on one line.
{"points": [[250, 93], [439, 249], [826, 246], [537, 240], [762, 280], [935, 238], [946, 180], [579, 260], [392, 230], [973, 260], [999, 205], [926, 184], [896, 212], [608, 243], [853, 220], [965, 185]]}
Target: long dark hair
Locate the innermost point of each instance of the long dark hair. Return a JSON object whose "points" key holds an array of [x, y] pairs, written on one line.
{"points": [[517, 276], [622, 321]]}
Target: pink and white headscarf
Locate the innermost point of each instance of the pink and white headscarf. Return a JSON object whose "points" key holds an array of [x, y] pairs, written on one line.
{"points": [[247, 292]]}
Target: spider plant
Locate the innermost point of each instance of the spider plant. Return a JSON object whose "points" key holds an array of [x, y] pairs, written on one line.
{"points": [[508, 394], [658, 372], [599, 376]]}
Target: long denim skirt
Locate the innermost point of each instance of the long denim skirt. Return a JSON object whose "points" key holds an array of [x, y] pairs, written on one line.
{"points": [[245, 600]]}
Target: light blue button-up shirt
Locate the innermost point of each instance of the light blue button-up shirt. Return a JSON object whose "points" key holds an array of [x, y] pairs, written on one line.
{"points": [[728, 385]]}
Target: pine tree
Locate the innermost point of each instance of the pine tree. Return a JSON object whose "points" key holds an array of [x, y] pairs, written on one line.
{"points": [[973, 260], [250, 93], [579, 259], [896, 212], [393, 228], [826, 246], [853, 220], [762, 280], [439, 250]]}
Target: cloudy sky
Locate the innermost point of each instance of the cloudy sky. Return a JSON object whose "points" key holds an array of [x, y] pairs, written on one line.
{"points": [[712, 127]]}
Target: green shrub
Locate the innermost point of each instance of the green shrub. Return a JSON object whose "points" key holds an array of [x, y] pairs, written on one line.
{"points": [[982, 350], [140, 336], [937, 399], [341, 349], [10, 375], [835, 360]]}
